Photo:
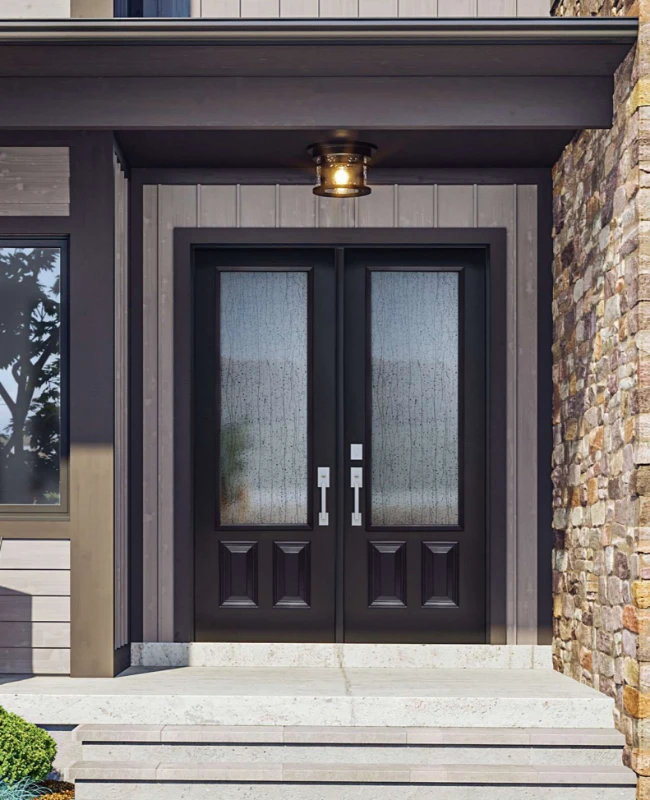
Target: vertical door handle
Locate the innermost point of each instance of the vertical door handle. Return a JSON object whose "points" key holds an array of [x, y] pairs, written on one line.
{"points": [[356, 482], [323, 485]]}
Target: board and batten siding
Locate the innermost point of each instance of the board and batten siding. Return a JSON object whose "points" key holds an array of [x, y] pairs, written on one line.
{"points": [[513, 207], [34, 181], [121, 404], [35, 606], [369, 8]]}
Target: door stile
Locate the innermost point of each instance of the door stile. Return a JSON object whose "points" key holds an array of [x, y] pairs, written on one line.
{"points": [[339, 265]]}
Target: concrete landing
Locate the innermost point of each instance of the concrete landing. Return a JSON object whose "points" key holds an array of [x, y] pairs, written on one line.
{"points": [[519, 698]]}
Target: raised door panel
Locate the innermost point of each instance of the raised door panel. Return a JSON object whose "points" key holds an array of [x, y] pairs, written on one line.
{"points": [[387, 574]]}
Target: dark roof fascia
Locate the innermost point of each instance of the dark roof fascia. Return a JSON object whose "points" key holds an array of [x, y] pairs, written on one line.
{"points": [[449, 31]]}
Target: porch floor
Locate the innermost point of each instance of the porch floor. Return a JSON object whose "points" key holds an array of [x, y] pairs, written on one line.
{"points": [[515, 698]]}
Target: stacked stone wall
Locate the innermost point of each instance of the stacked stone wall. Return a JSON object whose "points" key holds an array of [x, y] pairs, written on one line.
{"points": [[601, 376], [595, 369], [595, 8]]}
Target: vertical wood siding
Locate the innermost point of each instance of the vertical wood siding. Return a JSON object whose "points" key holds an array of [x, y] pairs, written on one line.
{"points": [[370, 8], [508, 206], [34, 181], [150, 414], [121, 405], [34, 606]]}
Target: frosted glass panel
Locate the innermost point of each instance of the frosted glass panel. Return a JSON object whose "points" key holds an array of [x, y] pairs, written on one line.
{"points": [[263, 398], [414, 345]]}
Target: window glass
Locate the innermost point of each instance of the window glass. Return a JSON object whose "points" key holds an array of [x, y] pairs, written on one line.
{"points": [[30, 375]]}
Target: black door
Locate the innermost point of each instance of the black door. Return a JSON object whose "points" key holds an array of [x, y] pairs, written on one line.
{"points": [[264, 438], [402, 340], [415, 406]]}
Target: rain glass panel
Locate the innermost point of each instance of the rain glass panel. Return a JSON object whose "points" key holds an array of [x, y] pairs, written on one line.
{"points": [[415, 395], [264, 398], [30, 375]]}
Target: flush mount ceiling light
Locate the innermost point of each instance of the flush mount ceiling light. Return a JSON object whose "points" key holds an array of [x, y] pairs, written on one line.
{"points": [[342, 168]]}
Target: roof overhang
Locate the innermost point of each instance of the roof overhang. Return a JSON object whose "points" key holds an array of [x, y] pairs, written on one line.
{"points": [[296, 78], [368, 47]]}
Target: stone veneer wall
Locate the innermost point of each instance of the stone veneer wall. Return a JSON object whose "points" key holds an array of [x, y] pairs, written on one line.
{"points": [[595, 8], [601, 376]]}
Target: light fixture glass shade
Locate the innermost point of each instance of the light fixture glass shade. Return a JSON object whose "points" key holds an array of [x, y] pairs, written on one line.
{"points": [[342, 168]]}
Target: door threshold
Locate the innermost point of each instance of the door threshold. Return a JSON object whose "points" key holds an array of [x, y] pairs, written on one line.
{"points": [[351, 656]]}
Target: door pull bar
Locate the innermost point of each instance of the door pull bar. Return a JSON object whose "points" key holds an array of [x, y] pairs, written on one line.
{"points": [[356, 482], [323, 485]]}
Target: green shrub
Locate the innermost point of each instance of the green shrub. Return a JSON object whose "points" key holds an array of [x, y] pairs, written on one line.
{"points": [[26, 751]]}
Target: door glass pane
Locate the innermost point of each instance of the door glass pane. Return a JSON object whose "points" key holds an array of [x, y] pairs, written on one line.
{"points": [[263, 398], [415, 396], [30, 375]]}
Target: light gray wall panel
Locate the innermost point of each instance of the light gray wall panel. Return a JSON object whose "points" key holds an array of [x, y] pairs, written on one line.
{"points": [[497, 8], [37, 661], [378, 8], [150, 415], [533, 8], [336, 215], [257, 206], [416, 207], [298, 207], [418, 8], [457, 8], [34, 606], [35, 634], [258, 9], [177, 208], [218, 206], [339, 8], [306, 9], [377, 210], [33, 554], [220, 9], [299, 8], [527, 458], [34, 181], [497, 207], [455, 206], [450, 206], [22, 608], [34, 210], [35, 582]]}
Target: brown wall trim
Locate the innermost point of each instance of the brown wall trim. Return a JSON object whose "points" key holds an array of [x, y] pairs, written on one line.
{"points": [[186, 239], [89, 524]]}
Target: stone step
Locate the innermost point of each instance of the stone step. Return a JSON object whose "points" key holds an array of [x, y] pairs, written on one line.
{"points": [[329, 745], [165, 780], [253, 655]]}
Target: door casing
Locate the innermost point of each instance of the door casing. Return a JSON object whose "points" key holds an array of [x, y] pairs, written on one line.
{"points": [[493, 240]]}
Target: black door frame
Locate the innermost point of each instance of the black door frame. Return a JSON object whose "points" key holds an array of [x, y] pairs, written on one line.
{"points": [[493, 240]]}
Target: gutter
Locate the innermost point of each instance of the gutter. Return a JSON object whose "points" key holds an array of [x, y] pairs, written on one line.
{"points": [[523, 31]]}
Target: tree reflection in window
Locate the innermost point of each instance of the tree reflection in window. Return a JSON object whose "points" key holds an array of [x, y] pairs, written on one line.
{"points": [[30, 375]]}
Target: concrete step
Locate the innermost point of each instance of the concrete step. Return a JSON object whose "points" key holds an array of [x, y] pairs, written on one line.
{"points": [[525, 698], [329, 745], [255, 781], [249, 655]]}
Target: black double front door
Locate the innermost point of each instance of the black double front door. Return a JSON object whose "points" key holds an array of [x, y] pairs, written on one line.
{"points": [[340, 445]]}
